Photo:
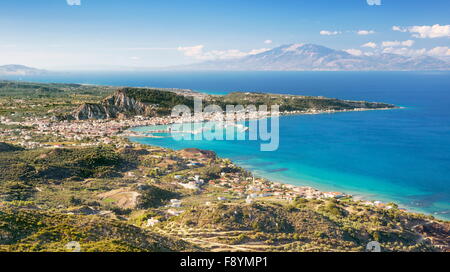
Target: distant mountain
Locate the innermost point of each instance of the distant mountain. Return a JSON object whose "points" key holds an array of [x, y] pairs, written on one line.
{"points": [[300, 57], [20, 70]]}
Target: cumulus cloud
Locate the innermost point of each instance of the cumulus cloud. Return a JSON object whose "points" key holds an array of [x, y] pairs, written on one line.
{"points": [[329, 33], [268, 41], [405, 51], [407, 43], [197, 52], [434, 31], [370, 45], [359, 32], [374, 2], [397, 28], [365, 32], [74, 2], [440, 51]]}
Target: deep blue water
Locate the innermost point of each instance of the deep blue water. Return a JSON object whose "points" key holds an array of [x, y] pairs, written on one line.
{"points": [[397, 155]]}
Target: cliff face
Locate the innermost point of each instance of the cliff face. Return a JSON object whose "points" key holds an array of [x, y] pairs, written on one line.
{"points": [[112, 107], [127, 102]]}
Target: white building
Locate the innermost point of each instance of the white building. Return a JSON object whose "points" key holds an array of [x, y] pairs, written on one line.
{"points": [[174, 212], [175, 203], [152, 221], [190, 185]]}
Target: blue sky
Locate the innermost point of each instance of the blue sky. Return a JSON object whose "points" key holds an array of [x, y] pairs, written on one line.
{"points": [[114, 34]]}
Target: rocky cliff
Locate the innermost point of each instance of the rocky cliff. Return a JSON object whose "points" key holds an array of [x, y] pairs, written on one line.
{"points": [[131, 102], [127, 102], [112, 107]]}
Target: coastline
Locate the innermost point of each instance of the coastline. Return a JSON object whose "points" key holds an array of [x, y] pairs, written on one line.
{"points": [[360, 196], [105, 129], [363, 196], [205, 182], [209, 118]]}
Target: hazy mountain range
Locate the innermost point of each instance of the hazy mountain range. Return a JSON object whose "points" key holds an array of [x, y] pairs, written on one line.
{"points": [[292, 57], [300, 57], [20, 70]]}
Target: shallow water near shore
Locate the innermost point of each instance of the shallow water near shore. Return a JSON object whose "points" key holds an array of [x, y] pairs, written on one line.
{"points": [[400, 155], [334, 152]]}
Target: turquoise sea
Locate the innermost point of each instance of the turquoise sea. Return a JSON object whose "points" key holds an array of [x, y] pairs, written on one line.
{"points": [[400, 155]]}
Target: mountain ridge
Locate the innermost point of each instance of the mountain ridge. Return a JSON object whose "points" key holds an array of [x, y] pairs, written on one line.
{"points": [[312, 57], [20, 70], [128, 102]]}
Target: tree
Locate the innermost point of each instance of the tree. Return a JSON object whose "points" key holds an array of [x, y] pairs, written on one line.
{"points": [[18, 191]]}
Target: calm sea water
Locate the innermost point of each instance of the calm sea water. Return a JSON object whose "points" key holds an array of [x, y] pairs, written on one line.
{"points": [[396, 155]]}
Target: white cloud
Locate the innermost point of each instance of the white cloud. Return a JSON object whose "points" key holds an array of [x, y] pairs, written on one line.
{"points": [[74, 2], [407, 43], [329, 33], [198, 53], [440, 51], [223, 54], [191, 51], [397, 28], [135, 58], [354, 52], [365, 32], [370, 44], [359, 32], [268, 41], [374, 2], [434, 31], [404, 51]]}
